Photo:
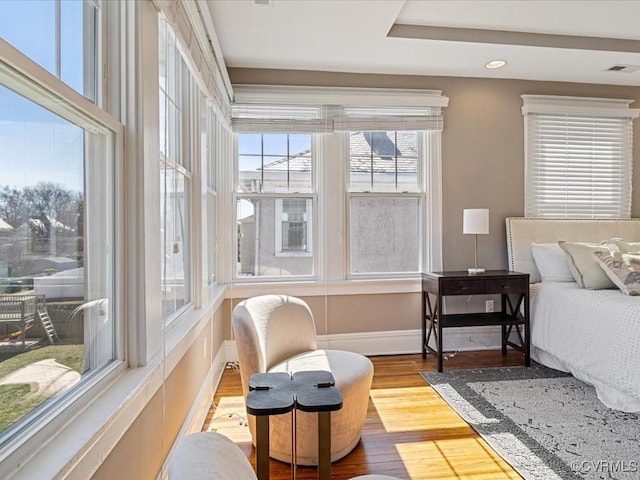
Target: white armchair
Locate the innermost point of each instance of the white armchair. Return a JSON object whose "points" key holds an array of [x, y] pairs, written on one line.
{"points": [[276, 333]]}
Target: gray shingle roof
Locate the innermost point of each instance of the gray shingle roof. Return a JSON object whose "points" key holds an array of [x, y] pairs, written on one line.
{"points": [[382, 145]]}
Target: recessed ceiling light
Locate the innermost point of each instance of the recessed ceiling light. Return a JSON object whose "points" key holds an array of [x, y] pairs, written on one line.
{"points": [[496, 64]]}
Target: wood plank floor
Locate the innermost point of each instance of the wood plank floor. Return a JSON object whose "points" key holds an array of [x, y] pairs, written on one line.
{"points": [[410, 432]]}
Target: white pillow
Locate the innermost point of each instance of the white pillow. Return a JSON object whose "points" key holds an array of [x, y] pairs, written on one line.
{"points": [[551, 262]]}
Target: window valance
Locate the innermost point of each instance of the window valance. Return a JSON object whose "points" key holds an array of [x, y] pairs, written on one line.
{"points": [[263, 109]]}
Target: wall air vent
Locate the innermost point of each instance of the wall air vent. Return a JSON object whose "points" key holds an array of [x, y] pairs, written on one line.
{"points": [[623, 68]]}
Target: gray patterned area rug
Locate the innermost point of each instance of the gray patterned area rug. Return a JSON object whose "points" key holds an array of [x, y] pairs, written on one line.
{"points": [[546, 424]]}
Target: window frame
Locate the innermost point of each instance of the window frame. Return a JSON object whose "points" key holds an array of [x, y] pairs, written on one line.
{"points": [[185, 166], [312, 195], [329, 145], [280, 252], [420, 194], [38, 85]]}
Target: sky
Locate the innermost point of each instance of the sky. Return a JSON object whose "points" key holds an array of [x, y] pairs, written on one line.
{"points": [[35, 144]]}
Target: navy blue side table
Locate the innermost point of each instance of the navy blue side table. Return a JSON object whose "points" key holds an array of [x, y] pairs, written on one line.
{"points": [[278, 393]]}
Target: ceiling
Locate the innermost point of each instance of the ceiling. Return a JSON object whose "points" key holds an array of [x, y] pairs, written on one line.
{"points": [[574, 41]]}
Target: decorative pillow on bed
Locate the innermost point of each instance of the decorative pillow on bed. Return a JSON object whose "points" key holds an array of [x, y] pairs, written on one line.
{"points": [[626, 247], [551, 262], [583, 265], [622, 268]]}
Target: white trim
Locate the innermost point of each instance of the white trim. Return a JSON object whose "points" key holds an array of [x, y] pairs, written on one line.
{"points": [[277, 94], [30, 80], [607, 107], [432, 211], [399, 342]]}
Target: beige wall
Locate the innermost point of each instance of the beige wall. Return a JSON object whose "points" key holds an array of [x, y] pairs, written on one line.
{"points": [[482, 145], [338, 314], [140, 452]]}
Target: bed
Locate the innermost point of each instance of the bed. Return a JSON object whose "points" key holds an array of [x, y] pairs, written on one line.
{"points": [[592, 334]]}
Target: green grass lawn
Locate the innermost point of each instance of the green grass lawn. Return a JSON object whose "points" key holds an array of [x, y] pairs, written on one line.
{"points": [[16, 400]]}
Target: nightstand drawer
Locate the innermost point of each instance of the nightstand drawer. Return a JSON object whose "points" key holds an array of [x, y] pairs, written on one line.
{"points": [[463, 287], [506, 285]]}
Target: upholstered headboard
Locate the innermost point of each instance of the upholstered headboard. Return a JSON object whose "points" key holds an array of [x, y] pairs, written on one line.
{"points": [[523, 231]]}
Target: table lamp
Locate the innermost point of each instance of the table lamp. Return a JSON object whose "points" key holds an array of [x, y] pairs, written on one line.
{"points": [[475, 221]]}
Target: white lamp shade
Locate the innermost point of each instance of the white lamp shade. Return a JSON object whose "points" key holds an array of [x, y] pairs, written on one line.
{"points": [[475, 221]]}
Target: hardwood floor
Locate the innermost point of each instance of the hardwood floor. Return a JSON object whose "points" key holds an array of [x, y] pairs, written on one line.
{"points": [[410, 432]]}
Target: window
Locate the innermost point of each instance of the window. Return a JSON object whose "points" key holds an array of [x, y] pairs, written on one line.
{"points": [[385, 202], [58, 35], [578, 157], [58, 226], [330, 186], [274, 205], [178, 98], [294, 235]]}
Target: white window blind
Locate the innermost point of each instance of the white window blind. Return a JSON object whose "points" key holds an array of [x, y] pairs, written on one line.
{"points": [[377, 119], [264, 109], [578, 157], [248, 118], [207, 68]]}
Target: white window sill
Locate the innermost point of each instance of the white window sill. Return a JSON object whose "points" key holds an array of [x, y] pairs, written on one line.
{"points": [[318, 288]]}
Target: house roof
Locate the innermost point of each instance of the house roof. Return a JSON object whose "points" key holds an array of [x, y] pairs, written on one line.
{"points": [[365, 148], [37, 223], [4, 226], [382, 151]]}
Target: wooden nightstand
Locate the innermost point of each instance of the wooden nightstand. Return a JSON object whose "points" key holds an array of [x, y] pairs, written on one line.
{"points": [[513, 288]]}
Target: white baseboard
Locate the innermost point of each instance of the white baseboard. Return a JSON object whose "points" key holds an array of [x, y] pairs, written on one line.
{"points": [[397, 342]]}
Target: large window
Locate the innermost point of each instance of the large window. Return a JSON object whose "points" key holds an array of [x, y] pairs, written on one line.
{"points": [[578, 157], [384, 202], [275, 205], [178, 134], [58, 216], [345, 196]]}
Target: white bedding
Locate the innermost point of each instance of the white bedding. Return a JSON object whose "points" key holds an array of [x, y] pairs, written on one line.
{"points": [[593, 334]]}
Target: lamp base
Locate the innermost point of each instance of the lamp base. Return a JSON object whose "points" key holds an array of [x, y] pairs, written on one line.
{"points": [[476, 271]]}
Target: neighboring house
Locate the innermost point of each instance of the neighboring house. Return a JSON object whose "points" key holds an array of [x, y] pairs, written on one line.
{"points": [[281, 242], [36, 248], [36, 236], [275, 234], [6, 235]]}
